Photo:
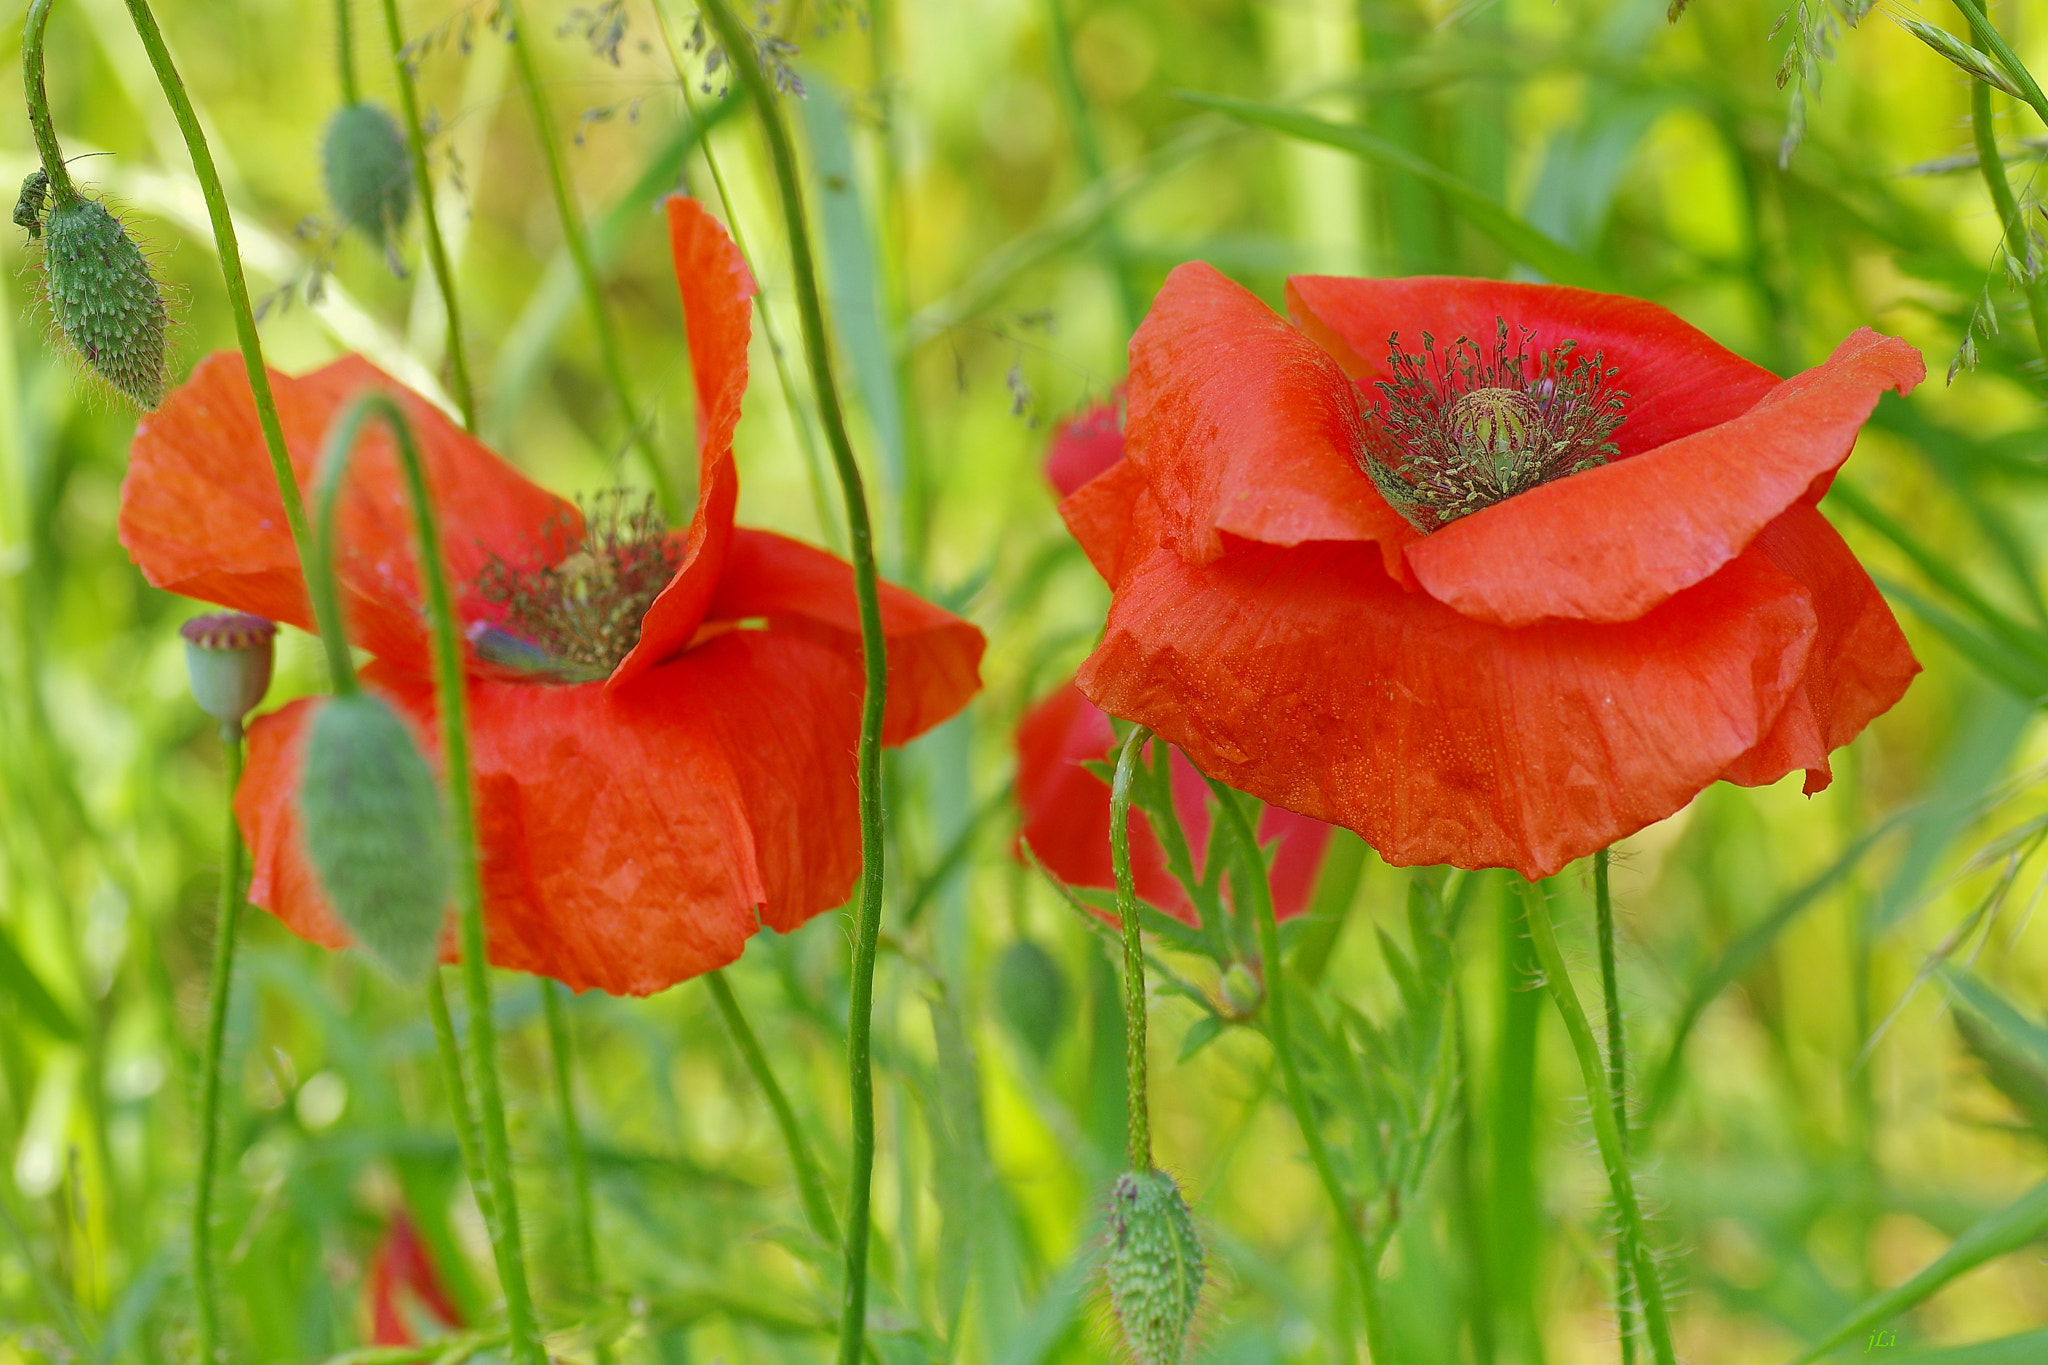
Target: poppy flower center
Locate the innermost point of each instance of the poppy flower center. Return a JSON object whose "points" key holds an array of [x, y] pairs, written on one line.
{"points": [[1460, 428], [573, 620]]}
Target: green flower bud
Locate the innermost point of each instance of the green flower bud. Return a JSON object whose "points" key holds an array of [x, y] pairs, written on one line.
{"points": [[369, 171], [1032, 996], [228, 656], [1242, 991], [1154, 1266], [374, 833], [105, 298]]}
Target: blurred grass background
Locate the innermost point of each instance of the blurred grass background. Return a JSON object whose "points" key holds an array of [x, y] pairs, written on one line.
{"points": [[998, 186]]}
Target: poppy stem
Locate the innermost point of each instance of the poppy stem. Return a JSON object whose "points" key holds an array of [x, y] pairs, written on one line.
{"points": [[345, 51], [2011, 220], [740, 55], [230, 254], [1606, 1131], [583, 1227], [578, 242], [1278, 1031], [810, 1184], [336, 451], [205, 1292], [40, 122], [1617, 1089], [1138, 1108], [450, 1051], [430, 217]]}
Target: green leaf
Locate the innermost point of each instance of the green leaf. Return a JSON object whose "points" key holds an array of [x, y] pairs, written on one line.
{"points": [[1533, 248], [2012, 1047], [1200, 1034], [18, 981]]}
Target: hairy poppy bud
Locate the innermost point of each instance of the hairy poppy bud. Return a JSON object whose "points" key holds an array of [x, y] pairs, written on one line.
{"points": [[228, 656], [373, 831], [1032, 995], [1154, 1266], [1242, 991], [369, 171], [105, 297]]}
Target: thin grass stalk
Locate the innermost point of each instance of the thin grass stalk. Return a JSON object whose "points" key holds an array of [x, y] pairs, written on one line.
{"points": [[230, 255], [1992, 41], [2012, 222], [1139, 1130], [1613, 1154], [578, 242], [1350, 1237], [583, 1228], [810, 1184], [430, 216], [1617, 1092], [205, 1289], [738, 45], [336, 452]]}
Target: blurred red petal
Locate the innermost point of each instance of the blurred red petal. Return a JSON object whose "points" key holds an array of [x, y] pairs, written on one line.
{"points": [[1085, 444], [401, 1265]]}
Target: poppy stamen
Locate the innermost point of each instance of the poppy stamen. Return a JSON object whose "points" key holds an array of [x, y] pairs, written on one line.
{"points": [[575, 619], [1459, 430]]}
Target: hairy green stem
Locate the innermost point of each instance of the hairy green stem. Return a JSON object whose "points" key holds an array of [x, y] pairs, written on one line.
{"points": [[1350, 1236], [40, 123], [578, 242], [583, 1223], [1613, 1152], [809, 1183], [450, 1050], [1139, 1110], [741, 58], [430, 216], [1992, 41], [1617, 1093], [205, 1291], [337, 450], [230, 268], [345, 51], [2011, 221]]}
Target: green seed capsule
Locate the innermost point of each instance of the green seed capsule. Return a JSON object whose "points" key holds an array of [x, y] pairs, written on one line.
{"points": [[105, 298], [1154, 1266], [369, 172], [374, 833], [1032, 995], [228, 655]]}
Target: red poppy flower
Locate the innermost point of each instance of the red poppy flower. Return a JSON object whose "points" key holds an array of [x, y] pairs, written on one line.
{"points": [[1085, 444], [1557, 631], [638, 826], [404, 1287]]}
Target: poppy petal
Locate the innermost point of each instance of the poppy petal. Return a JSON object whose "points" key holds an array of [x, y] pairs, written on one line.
{"points": [[1678, 379], [1860, 665], [1242, 424], [1610, 543], [934, 656], [1105, 514], [1311, 680], [1085, 444], [201, 515], [717, 291]]}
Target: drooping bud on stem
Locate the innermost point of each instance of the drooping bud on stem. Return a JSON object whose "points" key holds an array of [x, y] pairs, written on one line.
{"points": [[228, 656], [368, 170], [1154, 1265], [105, 297]]}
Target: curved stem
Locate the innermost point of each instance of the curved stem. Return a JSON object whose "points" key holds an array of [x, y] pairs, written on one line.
{"points": [[39, 121], [1138, 1108], [336, 451], [583, 1225], [578, 243], [345, 51], [430, 216], [2011, 222], [1613, 1154], [205, 1292], [740, 56], [1993, 42], [230, 268], [1617, 1093], [1349, 1236], [810, 1185], [450, 1050]]}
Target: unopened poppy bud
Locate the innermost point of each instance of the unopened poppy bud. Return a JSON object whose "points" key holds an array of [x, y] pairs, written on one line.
{"points": [[1155, 1266], [228, 656], [1242, 991], [1032, 995], [105, 297], [369, 171], [373, 831]]}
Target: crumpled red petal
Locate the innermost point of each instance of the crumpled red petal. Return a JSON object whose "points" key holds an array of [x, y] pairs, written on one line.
{"points": [[201, 516], [934, 656], [632, 837], [717, 292], [1309, 679], [401, 1267], [1243, 425], [1110, 513], [1086, 444], [1613, 542]]}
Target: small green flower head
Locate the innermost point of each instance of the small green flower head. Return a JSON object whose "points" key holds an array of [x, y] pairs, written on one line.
{"points": [[228, 656], [1154, 1265], [105, 297], [369, 171], [373, 831]]}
